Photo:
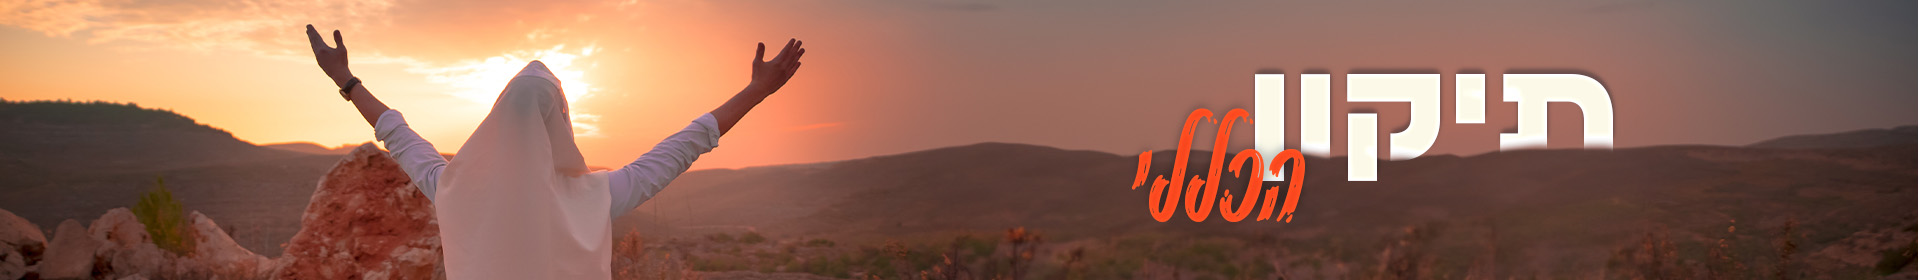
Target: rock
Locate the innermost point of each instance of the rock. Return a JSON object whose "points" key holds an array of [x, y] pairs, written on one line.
{"points": [[126, 249], [365, 221], [119, 228], [140, 259], [216, 252], [21, 245], [13, 265], [70, 255]]}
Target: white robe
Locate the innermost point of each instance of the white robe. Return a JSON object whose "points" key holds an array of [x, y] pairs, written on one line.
{"points": [[517, 202]]}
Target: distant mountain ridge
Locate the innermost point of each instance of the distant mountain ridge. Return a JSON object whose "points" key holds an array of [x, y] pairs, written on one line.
{"points": [[66, 159], [1865, 138], [310, 148], [59, 136]]}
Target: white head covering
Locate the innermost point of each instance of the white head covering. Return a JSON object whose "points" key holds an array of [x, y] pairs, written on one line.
{"points": [[517, 202]]}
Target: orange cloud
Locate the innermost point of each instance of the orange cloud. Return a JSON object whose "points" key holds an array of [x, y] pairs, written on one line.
{"points": [[253, 26]]}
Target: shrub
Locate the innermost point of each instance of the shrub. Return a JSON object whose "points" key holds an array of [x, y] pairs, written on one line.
{"points": [[165, 220], [823, 266], [752, 238], [720, 237]]}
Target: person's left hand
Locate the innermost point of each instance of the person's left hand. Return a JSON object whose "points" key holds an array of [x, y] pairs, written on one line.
{"points": [[333, 60], [770, 75]]}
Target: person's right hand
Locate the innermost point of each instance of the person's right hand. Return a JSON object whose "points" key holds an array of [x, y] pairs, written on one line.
{"points": [[333, 60], [770, 75]]}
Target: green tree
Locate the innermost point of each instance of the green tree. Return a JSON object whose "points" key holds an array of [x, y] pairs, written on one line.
{"points": [[165, 220]]}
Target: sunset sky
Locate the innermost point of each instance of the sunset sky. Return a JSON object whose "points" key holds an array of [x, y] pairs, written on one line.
{"points": [[884, 77]]}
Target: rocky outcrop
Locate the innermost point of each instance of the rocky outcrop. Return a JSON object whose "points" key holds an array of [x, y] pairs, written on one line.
{"points": [[215, 252], [21, 245], [365, 221], [126, 249], [118, 247], [70, 254], [120, 228]]}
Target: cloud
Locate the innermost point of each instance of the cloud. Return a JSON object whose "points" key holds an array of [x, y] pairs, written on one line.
{"points": [[251, 26], [418, 31], [471, 51], [55, 18]]}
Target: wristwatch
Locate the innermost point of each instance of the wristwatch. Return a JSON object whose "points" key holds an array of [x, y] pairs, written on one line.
{"points": [[346, 92]]}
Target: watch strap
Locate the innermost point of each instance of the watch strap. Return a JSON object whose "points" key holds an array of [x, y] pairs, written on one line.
{"points": [[346, 91]]}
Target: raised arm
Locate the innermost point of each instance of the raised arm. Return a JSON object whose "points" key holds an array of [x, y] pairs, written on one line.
{"points": [[416, 156], [639, 181], [768, 76], [333, 61]]}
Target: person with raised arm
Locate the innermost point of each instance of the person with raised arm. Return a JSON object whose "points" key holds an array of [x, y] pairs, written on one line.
{"points": [[519, 202]]}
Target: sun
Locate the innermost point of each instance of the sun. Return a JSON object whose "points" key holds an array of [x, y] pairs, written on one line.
{"points": [[480, 80]]}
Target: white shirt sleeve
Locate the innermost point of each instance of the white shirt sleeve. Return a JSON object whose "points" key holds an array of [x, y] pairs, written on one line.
{"points": [[639, 181], [417, 157]]}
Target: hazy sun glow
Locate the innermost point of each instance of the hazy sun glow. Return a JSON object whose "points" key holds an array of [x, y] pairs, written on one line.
{"points": [[480, 80]]}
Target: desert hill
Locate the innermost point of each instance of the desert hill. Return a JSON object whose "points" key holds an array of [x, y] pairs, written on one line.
{"points": [[310, 148], [63, 136], [74, 160], [1865, 138]]}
